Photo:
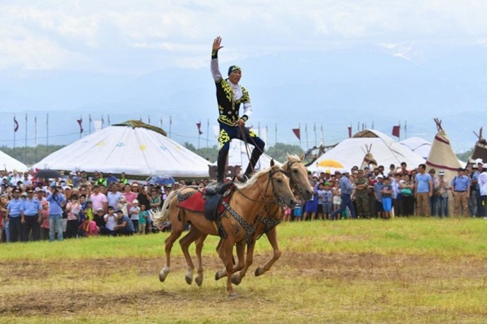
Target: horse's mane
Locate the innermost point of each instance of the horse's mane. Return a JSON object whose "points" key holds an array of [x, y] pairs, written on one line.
{"points": [[293, 157], [255, 177]]}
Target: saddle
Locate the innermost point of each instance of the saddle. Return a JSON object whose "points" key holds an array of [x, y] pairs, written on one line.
{"points": [[213, 197]]}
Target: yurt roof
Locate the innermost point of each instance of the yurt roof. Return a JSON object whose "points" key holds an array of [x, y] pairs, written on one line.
{"points": [[351, 151], [418, 145], [9, 163], [132, 147]]}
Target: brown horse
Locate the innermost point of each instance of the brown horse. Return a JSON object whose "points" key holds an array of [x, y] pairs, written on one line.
{"points": [[236, 224], [273, 214]]}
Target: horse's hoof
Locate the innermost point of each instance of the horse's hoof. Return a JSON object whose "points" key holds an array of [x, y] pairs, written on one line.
{"points": [[232, 295], [199, 281], [258, 272], [188, 279], [218, 275], [162, 277], [236, 279]]}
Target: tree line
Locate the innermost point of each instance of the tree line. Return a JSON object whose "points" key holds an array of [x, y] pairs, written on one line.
{"points": [[32, 155]]}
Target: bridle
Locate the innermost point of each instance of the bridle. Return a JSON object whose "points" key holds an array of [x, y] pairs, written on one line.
{"points": [[268, 221], [251, 229], [271, 173]]}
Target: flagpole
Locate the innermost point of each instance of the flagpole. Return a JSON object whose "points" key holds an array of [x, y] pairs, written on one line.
{"points": [[315, 134], [306, 134], [322, 134], [170, 122], [47, 134], [276, 139], [108, 119], [35, 136], [89, 123], [299, 132], [405, 129], [199, 133], [80, 121], [208, 127], [15, 131], [25, 142]]}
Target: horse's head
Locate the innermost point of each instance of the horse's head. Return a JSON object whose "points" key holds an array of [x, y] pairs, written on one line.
{"points": [[298, 174], [280, 184], [273, 183]]}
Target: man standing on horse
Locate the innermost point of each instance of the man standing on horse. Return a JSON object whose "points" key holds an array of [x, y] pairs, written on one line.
{"points": [[230, 96]]}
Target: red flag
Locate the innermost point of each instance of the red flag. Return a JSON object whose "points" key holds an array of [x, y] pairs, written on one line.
{"points": [[396, 131], [198, 127], [349, 129], [79, 123], [16, 125], [297, 133]]}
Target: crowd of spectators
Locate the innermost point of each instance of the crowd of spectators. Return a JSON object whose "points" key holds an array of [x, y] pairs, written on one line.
{"points": [[76, 205], [401, 192]]}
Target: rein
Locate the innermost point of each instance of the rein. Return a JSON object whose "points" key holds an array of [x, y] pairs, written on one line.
{"points": [[270, 222], [242, 132], [251, 229]]}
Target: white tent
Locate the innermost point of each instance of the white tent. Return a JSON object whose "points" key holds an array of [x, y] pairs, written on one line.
{"points": [[418, 145], [421, 147], [351, 151], [10, 164], [239, 156], [134, 148]]}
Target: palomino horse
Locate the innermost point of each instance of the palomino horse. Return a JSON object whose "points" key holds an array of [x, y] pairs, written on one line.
{"points": [[296, 171], [236, 224]]}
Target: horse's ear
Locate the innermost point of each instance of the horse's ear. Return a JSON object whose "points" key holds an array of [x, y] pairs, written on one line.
{"points": [[271, 163], [302, 156]]}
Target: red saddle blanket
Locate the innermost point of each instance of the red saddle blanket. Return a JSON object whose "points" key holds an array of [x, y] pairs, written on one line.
{"points": [[196, 202]]}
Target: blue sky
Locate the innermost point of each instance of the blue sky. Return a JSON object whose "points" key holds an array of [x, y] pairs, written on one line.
{"points": [[129, 39]]}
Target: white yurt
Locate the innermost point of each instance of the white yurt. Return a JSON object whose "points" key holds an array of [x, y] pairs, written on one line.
{"points": [[9, 163], [132, 147], [418, 145], [385, 151]]}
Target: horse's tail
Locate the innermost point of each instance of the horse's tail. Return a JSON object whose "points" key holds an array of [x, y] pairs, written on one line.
{"points": [[160, 216]]}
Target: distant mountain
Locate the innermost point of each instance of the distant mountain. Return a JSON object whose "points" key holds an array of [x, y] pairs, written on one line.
{"points": [[384, 85]]}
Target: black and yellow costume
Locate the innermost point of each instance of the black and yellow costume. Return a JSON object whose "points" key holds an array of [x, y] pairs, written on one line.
{"points": [[230, 97]]}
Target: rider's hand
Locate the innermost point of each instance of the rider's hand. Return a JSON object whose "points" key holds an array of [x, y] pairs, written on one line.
{"points": [[240, 122], [216, 44]]}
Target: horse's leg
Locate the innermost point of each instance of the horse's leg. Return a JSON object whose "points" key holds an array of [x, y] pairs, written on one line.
{"points": [[272, 236], [198, 250], [176, 230], [237, 278], [220, 274], [240, 262], [225, 254], [185, 242]]}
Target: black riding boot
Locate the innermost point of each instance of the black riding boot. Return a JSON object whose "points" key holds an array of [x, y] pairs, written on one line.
{"points": [[256, 153], [221, 160]]}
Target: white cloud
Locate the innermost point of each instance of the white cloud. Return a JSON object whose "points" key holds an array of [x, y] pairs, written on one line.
{"points": [[69, 31]]}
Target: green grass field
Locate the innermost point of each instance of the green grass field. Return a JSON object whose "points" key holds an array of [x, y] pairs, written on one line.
{"points": [[351, 271]]}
